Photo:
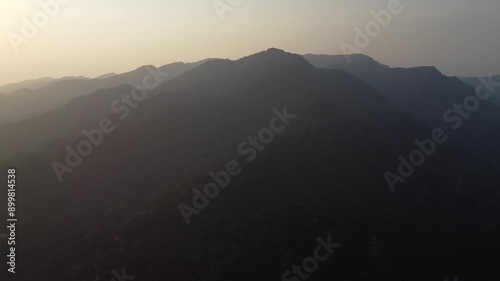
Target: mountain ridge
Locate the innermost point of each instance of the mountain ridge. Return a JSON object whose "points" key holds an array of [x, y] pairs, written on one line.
{"points": [[321, 175], [427, 94], [25, 103]]}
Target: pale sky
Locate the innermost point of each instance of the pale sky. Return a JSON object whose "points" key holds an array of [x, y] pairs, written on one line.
{"points": [[93, 37]]}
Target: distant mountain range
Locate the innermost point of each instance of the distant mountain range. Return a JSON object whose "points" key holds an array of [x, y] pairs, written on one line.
{"points": [[35, 97], [34, 84], [321, 174], [430, 97]]}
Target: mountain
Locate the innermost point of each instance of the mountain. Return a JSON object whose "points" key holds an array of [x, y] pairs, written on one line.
{"points": [[34, 84], [355, 62], [319, 174], [107, 75], [475, 82], [25, 103], [28, 84], [430, 97]]}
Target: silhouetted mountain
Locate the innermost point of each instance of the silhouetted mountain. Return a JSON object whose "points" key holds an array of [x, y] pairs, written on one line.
{"points": [[56, 124], [427, 95], [28, 84], [26, 103], [107, 75], [475, 82], [356, 62], [320, 174], [34, 84]]}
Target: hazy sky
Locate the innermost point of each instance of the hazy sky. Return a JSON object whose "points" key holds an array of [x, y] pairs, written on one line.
{"points": [[93, 37]]}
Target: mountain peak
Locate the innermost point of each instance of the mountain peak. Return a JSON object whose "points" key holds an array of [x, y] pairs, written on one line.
{"points": [[276, 58], [275, 50]]}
